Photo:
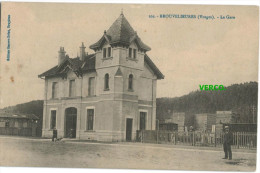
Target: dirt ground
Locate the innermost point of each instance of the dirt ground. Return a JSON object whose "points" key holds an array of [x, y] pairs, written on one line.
{"points": [[27, 152]]}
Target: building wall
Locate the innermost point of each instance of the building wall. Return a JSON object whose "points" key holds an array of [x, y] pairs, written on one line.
{"points": [[177, 118], [205, 121], [211, 120], [112, 107], [223, 117], [201, 122]]}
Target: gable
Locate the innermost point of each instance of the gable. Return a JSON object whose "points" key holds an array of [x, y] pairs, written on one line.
{"points": [[148, 72], [105, 44], [133, 45]]}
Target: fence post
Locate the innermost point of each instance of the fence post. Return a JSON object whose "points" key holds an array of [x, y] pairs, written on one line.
{"points": [[215, 138], [142, 135], [157, 136], [238, 140], [175, 135], [251, 141], [193, 138], [243, 140], [233, 139]]}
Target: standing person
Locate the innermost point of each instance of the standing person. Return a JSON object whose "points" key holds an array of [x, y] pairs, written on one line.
{"points": [[54, 134], [228, 138], [192, 137]]}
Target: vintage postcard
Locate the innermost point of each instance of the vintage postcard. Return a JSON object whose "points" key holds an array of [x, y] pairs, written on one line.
{"points": [[131, 86]]}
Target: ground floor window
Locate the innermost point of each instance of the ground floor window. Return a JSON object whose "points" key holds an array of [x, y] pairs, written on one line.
{"points": [[90, 119], [143, 120], [7, 124], [53, 119]]}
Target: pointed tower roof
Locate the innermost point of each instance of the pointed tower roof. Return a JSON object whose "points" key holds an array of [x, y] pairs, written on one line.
{"points": [[120, 33]]}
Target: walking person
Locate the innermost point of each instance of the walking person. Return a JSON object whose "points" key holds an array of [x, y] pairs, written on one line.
{"points": [[54, 134], [228, 138]]}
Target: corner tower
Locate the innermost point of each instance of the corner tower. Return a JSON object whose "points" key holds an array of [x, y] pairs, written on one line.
{"points": [[126, 81]]}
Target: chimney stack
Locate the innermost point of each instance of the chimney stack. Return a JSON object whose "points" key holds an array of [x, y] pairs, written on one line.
{"points": [[62, 56], [82, 52]]}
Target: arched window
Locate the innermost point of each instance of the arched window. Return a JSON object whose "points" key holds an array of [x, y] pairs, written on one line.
{"points": [[106, 87], [130, 82]]}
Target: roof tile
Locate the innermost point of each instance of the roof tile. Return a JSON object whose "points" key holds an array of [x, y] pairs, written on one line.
{"points": [[76, 65]]}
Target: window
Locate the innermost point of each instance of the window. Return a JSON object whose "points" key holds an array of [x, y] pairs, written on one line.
{"points": [[106, 87], [55, 90], [53, 119], [90, 119], [72, 88], [130, 53], [109, 52], [130, 82], [142, 120], [104, 52], [134, 53], [91, 86], [7, 124]]}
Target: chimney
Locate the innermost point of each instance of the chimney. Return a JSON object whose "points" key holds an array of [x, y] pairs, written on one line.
{"points": [[62, 56], [82, 52]]}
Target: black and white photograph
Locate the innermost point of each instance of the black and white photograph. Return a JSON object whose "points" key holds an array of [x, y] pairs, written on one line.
{"points": [[129, 86]]}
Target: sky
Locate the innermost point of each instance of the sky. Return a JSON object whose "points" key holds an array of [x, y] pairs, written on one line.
{"points": [[189, 52]]}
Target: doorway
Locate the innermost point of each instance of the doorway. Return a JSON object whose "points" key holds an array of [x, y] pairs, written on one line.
{"points": [[70, 122], [129, 124]]}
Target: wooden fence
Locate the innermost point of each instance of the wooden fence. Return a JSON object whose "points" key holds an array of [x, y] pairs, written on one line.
{"points": [[240, 139], [15, 131]]}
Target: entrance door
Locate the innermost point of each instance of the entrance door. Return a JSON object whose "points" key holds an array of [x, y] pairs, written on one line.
{"points": [[70, 122], [129, 123]]}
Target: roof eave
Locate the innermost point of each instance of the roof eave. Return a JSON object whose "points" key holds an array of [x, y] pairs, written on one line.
{"points": [[157, 72], [53, 75]]}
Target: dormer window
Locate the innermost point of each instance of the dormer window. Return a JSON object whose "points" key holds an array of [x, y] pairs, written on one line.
{"points": [[104, 52], [107, 52], [134, 53], [130, 53]]}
